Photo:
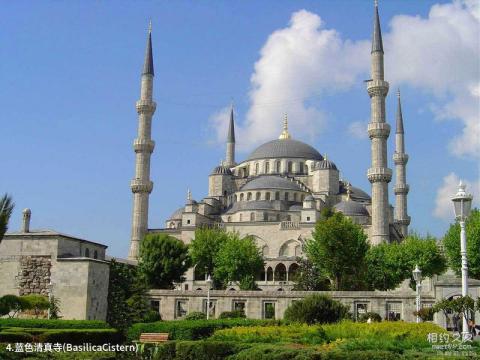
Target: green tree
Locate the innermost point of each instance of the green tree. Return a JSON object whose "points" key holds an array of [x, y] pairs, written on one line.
{"points": [[35, 302], [204, 249], [451, 243], [163, 260], [338, 249], [127, 296], [238, 260], [11, 305], [309, 278], [6, 209]]}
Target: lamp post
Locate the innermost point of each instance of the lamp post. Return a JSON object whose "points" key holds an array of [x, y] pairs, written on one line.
{"points": [[417, 276], [209, 284], [462, 203]]}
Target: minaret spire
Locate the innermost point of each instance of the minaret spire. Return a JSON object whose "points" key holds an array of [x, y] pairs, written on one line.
{"points": [[230, 153], [285, 134], [143, 146], [401, 187], [379, 174]]}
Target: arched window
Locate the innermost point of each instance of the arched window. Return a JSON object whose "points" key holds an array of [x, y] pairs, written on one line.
{"points": [[241, 217], [267, 196], [269, 274], [229, 219], [280, 272], [252, 216], [286, 196], [302, 198], [301, 168], [294, 196], [290, 167], [293, 272], [277, 166], [306, 169], [256, 169], [235, 198], [277, 195], [257, 196], [95, 254], [87, 252], [249, 196], [267, 167], [241, 197]]}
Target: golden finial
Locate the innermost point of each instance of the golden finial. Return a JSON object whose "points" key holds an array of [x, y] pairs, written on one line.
{"points": [[285, 134], [325, 157]]}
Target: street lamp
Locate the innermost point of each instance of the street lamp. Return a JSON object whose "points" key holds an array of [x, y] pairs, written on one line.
{"points": [[209, 284], [417, 276], [462, 203]]}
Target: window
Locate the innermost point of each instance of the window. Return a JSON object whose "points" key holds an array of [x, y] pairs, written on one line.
{"points": [[235, 198], [180, 308], [360, 309], [229, 219], [308, 218], [212, 308], [394, 311], [256, 169], [87, 252], [241, 217], [155, 305], [302, 198], [241, 197], [267, 167], [267, 196], [239, 305], [277, 195], [186, 287], [286, 196], [252, 216], [306, 169], [277, 166], [95, 254], [188, 221], [294, 196], [249, 196], [290, 167], [278, 217], [269, 310], [265, 216], [301, 168], [257, 196]]}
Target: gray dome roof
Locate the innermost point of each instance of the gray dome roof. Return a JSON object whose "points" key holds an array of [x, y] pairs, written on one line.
{"points": [[221, 170], [325, 165], [351, 208], [271, 182], [177, 214], [285, 148], [356, 193]]}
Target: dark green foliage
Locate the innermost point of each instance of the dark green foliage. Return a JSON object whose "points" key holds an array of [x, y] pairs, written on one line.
{"points": [[54, 307], [309, 277], [275, 352], [6, 209], [425, 314], [369, 315], [204, 350], [338, 250], [364, 355], [54, 324], [451, 243], [15, 336], [152, 316], [35, 302], [191, 329], [235, 314], [127, 296], [238, 260], [81, 336], [196, 315], [163, 260], [316, 309], [12, 305]]}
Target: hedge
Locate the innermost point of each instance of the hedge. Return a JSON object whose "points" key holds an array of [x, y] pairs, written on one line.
{"points": [[192, 330], [53, 324], [80, 336], [13, 337]]}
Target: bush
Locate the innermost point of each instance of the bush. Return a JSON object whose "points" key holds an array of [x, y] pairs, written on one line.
{"points": [[12, 303], [235, 314], [80, 336], [204, 350], [152, 316], [316, 309], [191, 329], [196, 315], [270, 352], [15, 336], [54, 324], [369, 315], [426, 314], [35, 302]]}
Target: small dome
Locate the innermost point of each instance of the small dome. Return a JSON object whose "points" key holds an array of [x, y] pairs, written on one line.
{"points": [[325, 165], [221, 170], [351, 208], [271, 182], [177, 214], [285, 148]]}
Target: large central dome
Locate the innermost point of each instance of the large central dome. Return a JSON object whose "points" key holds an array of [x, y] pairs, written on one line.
{"points": [[285, 148]]}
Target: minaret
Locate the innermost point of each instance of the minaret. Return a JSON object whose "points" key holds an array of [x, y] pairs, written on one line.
{"points": [[379, 174], [143, 145], [230, 155], [401, 187]]}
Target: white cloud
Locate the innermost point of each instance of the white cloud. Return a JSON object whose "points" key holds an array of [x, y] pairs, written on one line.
{"points": [[358, 129], [443, 202]]}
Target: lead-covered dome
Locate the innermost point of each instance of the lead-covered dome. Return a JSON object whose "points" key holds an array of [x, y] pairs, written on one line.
{"points": [[351, 208], [285, 148], [271, 182]]}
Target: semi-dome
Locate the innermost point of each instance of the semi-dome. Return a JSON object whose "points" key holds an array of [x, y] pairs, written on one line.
{"points": [[177, 214], [221, 170], [325, 165], [285, 148], [351, 208], [271, 182]]}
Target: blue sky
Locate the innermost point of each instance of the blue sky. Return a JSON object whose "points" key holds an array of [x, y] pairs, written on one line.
{"points": [[71, 75]]}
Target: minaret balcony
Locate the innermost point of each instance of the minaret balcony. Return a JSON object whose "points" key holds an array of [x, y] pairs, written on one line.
{"points": [[400, 158], [404, 221], [378, 130], [146, 106], [143, 145], [379, 175], [401, 189], [377, 88], [141, 186]]}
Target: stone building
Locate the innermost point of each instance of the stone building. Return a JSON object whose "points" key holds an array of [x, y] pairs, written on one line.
{"points": [[47, 262]]}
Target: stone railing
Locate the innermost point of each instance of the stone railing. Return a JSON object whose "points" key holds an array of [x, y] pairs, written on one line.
{"points": [[289, 225]]}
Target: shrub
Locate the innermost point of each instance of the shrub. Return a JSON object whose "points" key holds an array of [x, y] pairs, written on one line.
{"points": [[316, 309], [192, 329], [204, 350], [426, 314], [363, 355], [15, 336], [370, 315], [54, 324], [196, 315], [235, 314], [270, 352], [80, 336], [152, 316], [35, 302]]}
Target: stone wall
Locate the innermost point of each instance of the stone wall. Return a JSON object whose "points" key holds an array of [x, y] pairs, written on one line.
{"points": [[34, 275]]}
